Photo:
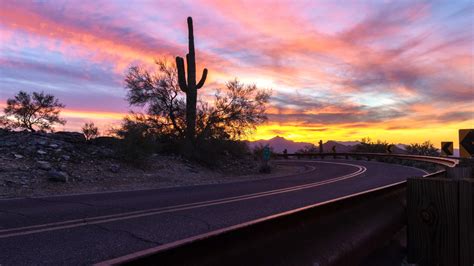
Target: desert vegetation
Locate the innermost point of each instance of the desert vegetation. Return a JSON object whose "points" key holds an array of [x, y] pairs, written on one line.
{"points": [[33, 112], [221, 121], [426, 148], [172, 118], [175, 120], [90, 131]]}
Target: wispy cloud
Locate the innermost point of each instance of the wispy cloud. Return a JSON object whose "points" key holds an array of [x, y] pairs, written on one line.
{"points": [[351, 66]]}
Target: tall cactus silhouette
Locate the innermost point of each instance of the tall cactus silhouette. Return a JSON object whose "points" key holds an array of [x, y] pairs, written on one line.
{"points": [[190, 87]]}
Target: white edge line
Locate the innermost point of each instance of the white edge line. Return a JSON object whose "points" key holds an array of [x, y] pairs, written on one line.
{"points": [[158, 188], [5, 233], [188, 240]]}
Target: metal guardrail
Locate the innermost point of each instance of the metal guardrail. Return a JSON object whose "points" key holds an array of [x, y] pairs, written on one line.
{"points": [[444, 161], [324, 233]]}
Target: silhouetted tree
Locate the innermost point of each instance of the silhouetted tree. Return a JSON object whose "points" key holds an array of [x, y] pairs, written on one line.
{"points": [[190, 87], [4, 123], [160, 95], [367, 145], [90, 131], [38, 111], [139, 138], [235, 111], [308, 149], [426, 148]]}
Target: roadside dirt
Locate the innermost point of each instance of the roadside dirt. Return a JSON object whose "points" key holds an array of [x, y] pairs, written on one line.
{"points": [[55, 164]]}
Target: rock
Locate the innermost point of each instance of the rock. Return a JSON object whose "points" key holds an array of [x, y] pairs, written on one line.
{"points": [[104, 141], [18, 156], [63, 167], [22, 168], [107, 153], [9, 182], [4, 131], [72, 137], [193, 171], [41, 152], [44, 165], [114, 168], [8, 143], [57, 176]]}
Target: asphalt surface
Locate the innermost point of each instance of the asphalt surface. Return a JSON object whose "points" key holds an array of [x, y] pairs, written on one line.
{"points": [[89, 228]]}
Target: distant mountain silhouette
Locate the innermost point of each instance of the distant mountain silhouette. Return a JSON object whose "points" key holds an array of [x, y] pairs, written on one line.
{"points": [[280, 143], [348, 143], [327, 147]]}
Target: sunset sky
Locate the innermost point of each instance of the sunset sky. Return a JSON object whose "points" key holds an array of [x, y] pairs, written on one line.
{"points": [[401, 71]]}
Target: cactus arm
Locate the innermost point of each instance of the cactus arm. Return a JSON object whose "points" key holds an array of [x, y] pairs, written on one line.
{"points": [[203, 79], [190, 36], [181, 74], [191, 71]]}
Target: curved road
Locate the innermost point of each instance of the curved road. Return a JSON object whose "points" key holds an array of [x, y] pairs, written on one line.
{"points": [[84, 229]]}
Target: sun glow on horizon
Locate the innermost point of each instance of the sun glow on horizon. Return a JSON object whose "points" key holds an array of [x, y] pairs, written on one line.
{"points": [[399, 71]]}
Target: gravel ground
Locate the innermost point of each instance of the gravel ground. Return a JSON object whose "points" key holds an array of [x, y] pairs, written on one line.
{"points": [[40, 164]]}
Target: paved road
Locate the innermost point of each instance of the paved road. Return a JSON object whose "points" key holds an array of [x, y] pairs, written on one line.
{"points": [[84, 229]]}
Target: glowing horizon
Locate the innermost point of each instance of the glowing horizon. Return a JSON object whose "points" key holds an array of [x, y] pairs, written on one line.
{"points": [[396, 71]]}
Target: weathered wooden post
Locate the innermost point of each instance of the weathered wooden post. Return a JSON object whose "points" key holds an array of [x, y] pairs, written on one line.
{"points": [[440, 221], [441, 212], [466, 222], [459, 172]]}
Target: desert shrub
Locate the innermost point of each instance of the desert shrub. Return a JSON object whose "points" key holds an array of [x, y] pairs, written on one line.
{"points": [[426, 148], [308, 149], [138, 142], [32, 112], [90, 131], [4, 124], [212, 152], [368, 146]]}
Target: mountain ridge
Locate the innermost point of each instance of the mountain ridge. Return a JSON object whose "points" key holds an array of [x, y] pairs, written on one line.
{"points": [[279, 144]]}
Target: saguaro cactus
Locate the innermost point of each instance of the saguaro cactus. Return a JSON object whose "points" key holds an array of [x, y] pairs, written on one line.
{"points": [[190, 87]]}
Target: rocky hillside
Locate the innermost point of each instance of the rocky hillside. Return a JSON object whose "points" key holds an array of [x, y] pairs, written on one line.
{"points": [[45, 163]]}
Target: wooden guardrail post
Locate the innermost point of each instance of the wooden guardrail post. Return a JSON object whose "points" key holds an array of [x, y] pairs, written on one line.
{"points": [[440, 222], [459, 172], [466, 222]]}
